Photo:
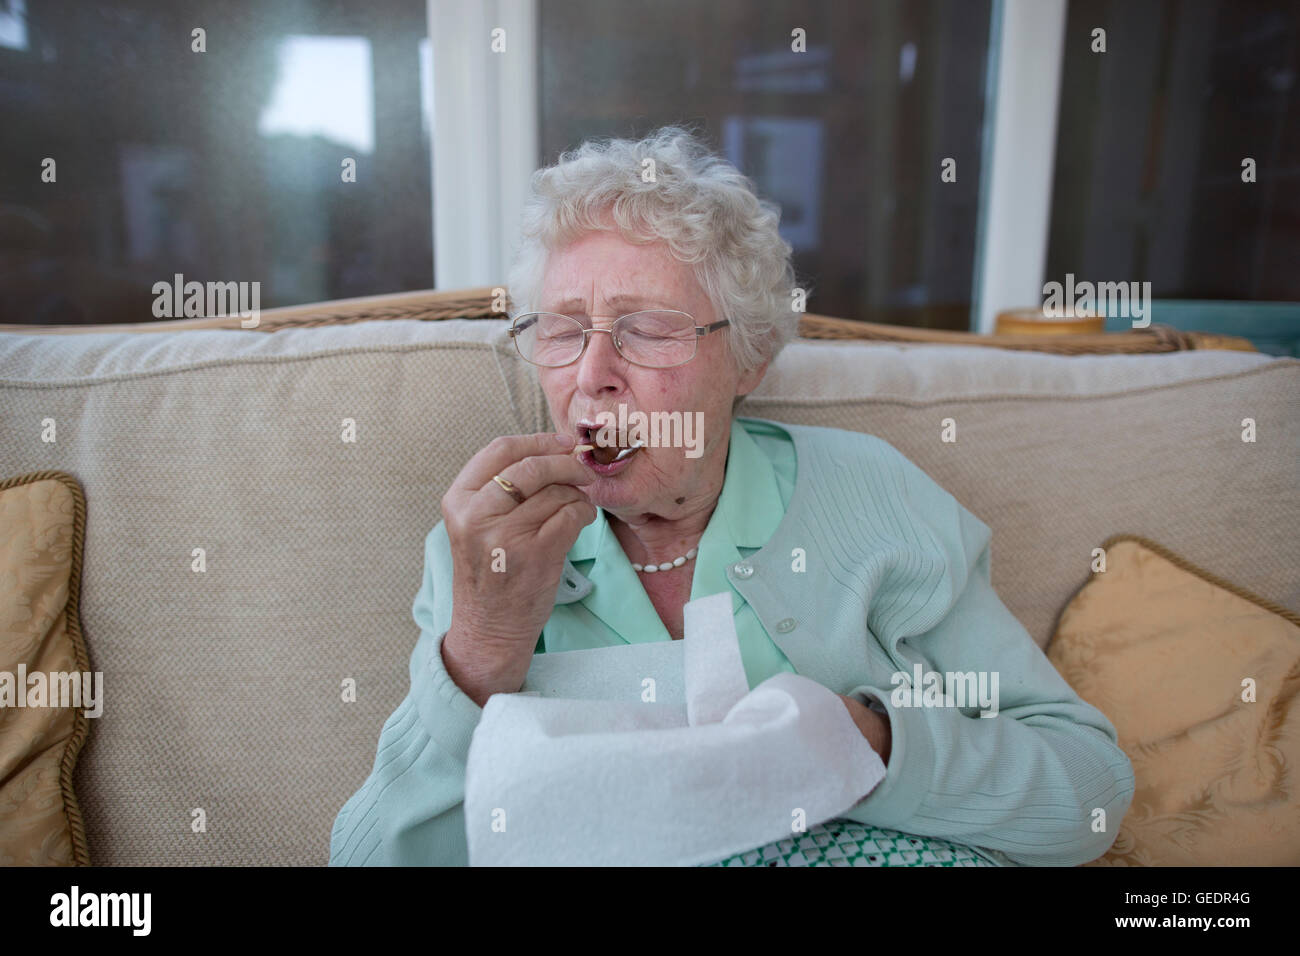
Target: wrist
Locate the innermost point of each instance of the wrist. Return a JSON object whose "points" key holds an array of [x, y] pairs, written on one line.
{"points": [[884, 740], [872, 725], [479, 675]]}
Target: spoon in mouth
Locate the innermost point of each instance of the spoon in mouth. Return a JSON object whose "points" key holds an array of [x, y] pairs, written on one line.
{"points": [[636, 446]]}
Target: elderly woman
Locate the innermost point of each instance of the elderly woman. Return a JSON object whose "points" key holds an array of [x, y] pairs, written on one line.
{"points": [[845, 562]]}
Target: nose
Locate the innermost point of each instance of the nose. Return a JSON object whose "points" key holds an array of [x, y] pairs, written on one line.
{"points": [[601, 367]]}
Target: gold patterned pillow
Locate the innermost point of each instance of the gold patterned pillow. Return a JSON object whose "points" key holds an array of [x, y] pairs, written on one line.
{"points": [[46, 687], [1201, 680]]}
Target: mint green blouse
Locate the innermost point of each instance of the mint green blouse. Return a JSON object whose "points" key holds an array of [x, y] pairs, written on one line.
{"points": [[759, 482], [898, 575]]}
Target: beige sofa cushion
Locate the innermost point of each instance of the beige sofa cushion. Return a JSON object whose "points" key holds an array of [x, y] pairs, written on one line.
{"points": [[1163, 649], [1056, 453], [224, 686]]}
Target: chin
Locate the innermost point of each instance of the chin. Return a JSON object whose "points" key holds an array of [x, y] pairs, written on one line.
{"points": [[607, 493]]}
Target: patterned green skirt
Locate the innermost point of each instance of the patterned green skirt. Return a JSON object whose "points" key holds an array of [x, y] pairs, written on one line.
{"points": [[843, 842]]}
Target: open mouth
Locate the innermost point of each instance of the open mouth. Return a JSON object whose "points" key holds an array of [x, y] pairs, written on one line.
{"points": [[603, 454]]}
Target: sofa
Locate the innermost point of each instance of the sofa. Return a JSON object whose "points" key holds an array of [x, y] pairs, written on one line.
{"points": [[256, 503]]}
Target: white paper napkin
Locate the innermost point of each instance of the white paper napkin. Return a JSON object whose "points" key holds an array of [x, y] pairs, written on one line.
{"points": [[678, 764]]}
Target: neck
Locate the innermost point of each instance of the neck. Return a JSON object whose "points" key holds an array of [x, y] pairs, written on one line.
{"points": [[650, 538]]}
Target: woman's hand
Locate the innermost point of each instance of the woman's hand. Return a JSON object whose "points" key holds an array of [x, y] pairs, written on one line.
{"points": [[498, 614], [873, 726]]}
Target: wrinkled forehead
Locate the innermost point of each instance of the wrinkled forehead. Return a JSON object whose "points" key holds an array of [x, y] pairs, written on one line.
{"points": [[603, 273]]}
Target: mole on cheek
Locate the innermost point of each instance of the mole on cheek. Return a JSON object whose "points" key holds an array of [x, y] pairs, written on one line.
{"points": [[681, 499]]}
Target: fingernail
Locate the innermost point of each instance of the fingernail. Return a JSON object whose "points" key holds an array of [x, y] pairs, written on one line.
{"points": [[566, 440]]}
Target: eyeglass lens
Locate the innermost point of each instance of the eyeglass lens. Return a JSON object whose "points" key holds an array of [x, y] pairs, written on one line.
{"points": [[657, 339]]}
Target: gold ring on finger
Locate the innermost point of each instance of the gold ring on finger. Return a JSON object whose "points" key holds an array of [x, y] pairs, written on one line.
{"points": [[510, 489]]}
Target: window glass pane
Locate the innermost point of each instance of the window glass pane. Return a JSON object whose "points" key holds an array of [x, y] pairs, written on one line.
{"points": [[848, 137], [220, 157], [1152, 136]]}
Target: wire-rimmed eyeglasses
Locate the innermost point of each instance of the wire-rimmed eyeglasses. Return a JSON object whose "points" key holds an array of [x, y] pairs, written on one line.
{"points": [[653, 338]]}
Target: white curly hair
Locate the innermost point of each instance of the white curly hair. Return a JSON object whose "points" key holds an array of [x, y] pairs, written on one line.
{"points": [[704, 208]]}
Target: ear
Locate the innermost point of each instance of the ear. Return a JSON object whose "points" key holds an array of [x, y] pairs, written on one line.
{"points": [[749, 381]]}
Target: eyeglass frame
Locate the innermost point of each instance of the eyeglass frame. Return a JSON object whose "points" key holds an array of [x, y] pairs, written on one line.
{"points": [[700, 332]]}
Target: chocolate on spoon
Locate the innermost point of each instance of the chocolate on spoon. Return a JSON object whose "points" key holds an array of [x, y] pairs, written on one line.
{"points": [[606, 454], [637, 446]]}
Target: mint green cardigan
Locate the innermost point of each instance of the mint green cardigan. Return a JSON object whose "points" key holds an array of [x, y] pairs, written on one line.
{"points": [[897, 573]]}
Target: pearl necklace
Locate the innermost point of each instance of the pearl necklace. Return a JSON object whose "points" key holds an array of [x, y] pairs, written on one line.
{"points": [[666, 565]]}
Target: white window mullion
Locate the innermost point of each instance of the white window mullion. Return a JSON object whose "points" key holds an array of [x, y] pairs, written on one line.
{"points": [[1016, 183], [484, 135]]}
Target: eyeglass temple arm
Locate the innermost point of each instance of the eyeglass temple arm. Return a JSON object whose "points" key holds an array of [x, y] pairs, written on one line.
{"points": [[513, 330], [703, 330]]}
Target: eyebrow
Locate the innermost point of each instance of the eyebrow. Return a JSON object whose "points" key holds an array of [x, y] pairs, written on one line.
{"points": [[621, 301]]}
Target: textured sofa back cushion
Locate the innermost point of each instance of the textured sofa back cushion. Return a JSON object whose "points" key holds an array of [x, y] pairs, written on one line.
{"points": [[1058, 453], [223, 689]]}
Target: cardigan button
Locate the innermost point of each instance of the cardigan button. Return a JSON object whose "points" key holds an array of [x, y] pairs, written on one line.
{"points": [[743, 570], [785, 625]]}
